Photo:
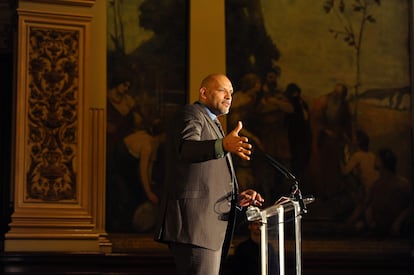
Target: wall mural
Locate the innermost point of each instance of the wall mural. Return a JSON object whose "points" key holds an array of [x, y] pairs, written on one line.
{"points": [[325, 92], [324, 88], [147, 78]]}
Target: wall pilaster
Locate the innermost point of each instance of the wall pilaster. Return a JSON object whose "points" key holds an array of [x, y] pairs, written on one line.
{"points": [[59, 167]]}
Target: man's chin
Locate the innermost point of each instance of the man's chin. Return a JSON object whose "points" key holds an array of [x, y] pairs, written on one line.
{"points": [[224, 112]]}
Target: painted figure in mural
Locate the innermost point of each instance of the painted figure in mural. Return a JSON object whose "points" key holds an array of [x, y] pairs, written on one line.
{"points": [[271, 111], [246, 260], [123, 118], [119, 104], [361, 164], [243, 108], [331, 124], [270, 83], [390, 206], [143, 146], [201, 195], [299, 132], [122, 111], [131, 182]]}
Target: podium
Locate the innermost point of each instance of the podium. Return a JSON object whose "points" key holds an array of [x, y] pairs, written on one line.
{"points": [[279, 208]]}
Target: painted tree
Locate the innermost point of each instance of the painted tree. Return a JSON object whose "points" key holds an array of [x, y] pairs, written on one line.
{"points": [[353, 15], [158, 63], [117, 37], [250, 49], [165, 54]]}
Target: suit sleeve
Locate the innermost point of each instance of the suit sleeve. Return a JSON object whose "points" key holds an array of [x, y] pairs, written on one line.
{"points": [[192, 145]]}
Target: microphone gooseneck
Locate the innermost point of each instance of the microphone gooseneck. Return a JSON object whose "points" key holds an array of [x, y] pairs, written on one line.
{"points": [[295, 193]]}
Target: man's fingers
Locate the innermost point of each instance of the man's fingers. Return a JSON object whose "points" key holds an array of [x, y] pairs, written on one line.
{"points": [[243, 156]]}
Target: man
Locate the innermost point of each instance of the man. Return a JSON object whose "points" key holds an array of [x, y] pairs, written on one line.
{"points": [[247, 255], [201, 191]]}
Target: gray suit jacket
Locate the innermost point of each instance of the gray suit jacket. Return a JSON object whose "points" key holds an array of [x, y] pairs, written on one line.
{"points": [[200, 187]]}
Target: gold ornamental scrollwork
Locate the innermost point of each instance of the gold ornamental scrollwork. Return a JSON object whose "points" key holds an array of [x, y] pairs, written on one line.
{"points": [[52, 113]]}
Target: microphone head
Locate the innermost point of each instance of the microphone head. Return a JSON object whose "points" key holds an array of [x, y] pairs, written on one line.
{"points": [[253, 213]]}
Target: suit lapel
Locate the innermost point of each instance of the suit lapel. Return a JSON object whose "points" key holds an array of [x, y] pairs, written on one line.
{"points": [[220, 134], [210, 121]]}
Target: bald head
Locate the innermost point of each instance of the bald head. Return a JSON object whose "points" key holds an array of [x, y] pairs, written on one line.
{"points": [[210, 79], [216, 93]]}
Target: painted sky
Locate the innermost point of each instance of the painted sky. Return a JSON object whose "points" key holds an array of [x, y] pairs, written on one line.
{"points": [[314, 59], [134, 34]]}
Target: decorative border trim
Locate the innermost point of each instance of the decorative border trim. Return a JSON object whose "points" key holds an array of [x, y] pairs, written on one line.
{"points": [[86, 3]]}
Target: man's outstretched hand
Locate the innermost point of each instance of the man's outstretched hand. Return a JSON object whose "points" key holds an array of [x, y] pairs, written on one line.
{"points": [[236, 144]]}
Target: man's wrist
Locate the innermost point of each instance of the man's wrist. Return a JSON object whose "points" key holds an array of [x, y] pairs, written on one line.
{"points": [[219, 149]]}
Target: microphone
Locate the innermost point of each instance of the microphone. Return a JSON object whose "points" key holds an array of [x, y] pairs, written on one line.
{"points": [[253, 213], [282, 169], [298, 196], [295, 192]]}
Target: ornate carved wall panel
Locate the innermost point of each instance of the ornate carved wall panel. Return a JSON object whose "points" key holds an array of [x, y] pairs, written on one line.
{"points": [[53, 186], [53, 121], [53, 91]]}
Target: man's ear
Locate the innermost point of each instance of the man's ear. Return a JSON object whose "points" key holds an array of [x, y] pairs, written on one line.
{"points": [[203, 91]]}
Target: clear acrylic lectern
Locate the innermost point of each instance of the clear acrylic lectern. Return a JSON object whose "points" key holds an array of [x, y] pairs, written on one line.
{"points": [[279, 208]]}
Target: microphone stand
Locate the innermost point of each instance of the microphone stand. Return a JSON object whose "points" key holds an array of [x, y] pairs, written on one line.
{"points": [[299, 209], [295, 192]]}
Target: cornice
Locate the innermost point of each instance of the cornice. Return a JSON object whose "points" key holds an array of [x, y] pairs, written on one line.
{"points": [[86, 3]]}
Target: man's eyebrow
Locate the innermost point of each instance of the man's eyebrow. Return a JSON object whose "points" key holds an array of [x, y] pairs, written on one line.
{"points": [[222, 88]]}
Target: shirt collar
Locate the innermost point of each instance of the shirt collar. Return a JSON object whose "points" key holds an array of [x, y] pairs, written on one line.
{"points": [[210, 114]]}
